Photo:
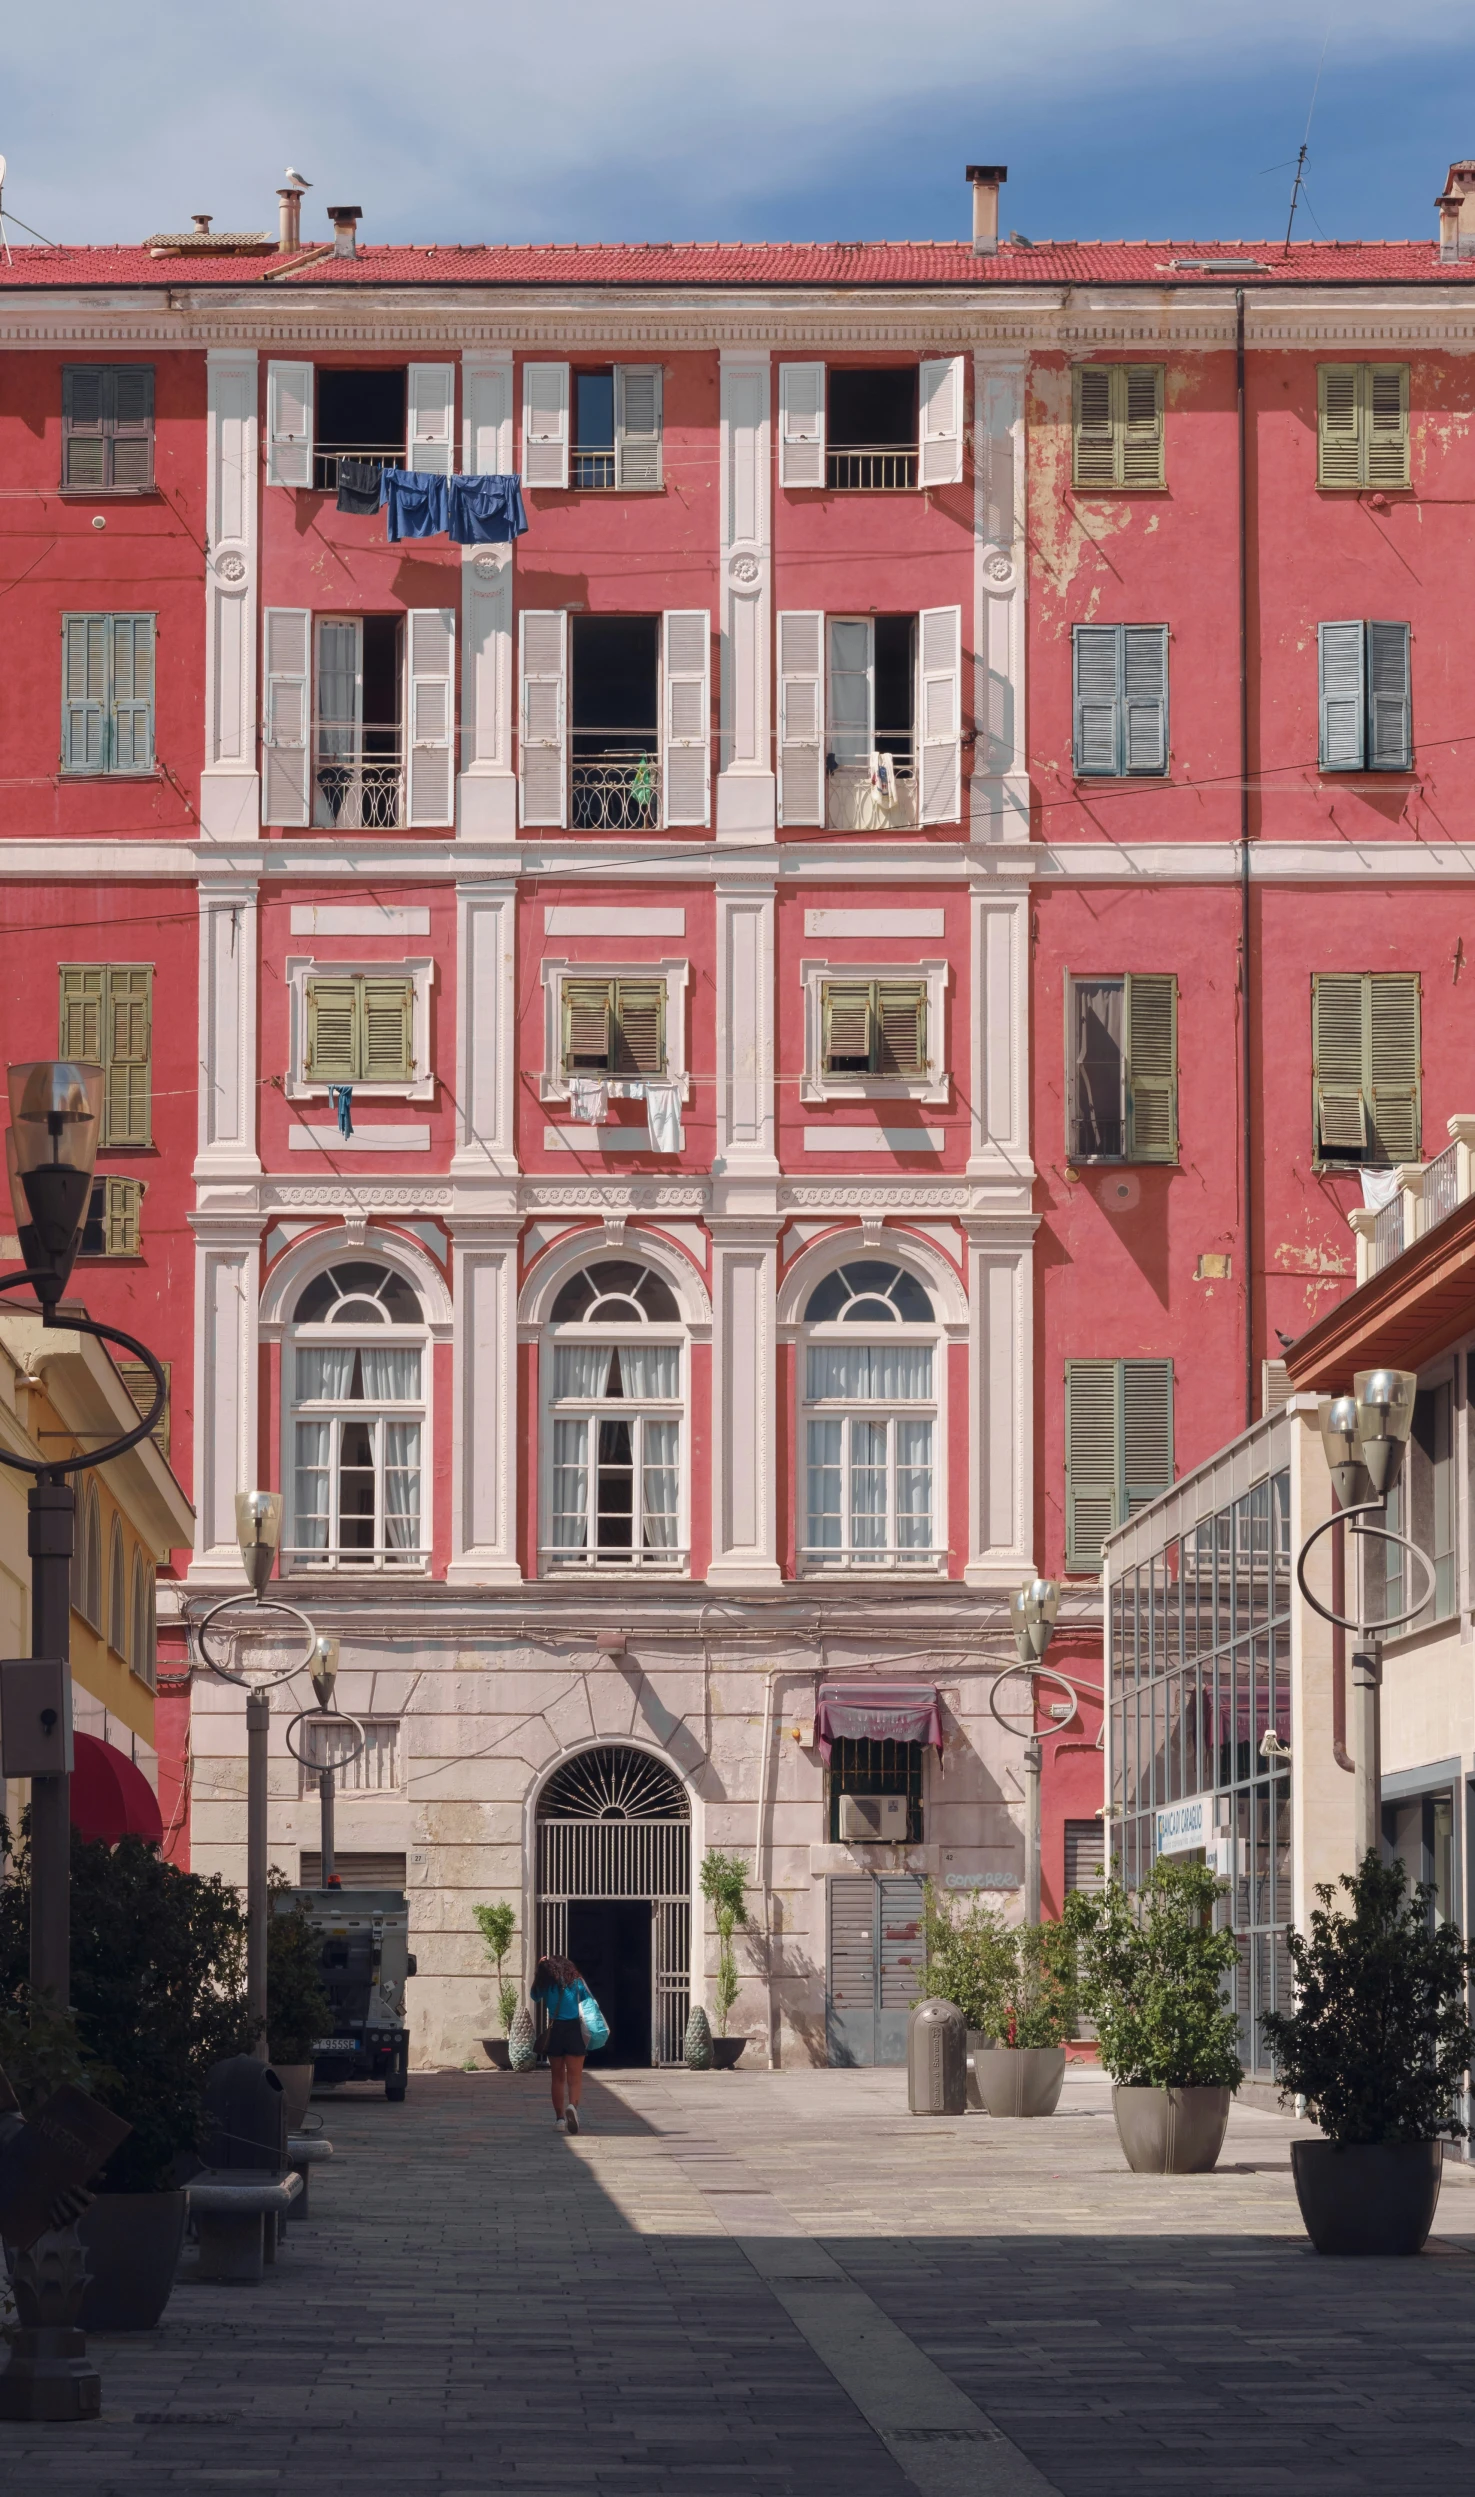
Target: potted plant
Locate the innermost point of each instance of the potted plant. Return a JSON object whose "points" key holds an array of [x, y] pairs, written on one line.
{"points": [[1153, 1967], [724, 1880], [1377, 2046], [158, 1989], [298, 2011], [498, 1924], [1015, 1987]]}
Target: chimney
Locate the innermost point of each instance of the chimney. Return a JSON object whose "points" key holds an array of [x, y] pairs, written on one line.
{"points": [[1456, 208], [200, 221], [985, 180], [289, 233], [345, 232]]}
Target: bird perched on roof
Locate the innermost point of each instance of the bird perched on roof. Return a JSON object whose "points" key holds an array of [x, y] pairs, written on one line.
{"points": [[299, 181]]}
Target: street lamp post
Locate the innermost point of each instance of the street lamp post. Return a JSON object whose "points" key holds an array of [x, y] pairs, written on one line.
{"points": [[1032, 1612]]}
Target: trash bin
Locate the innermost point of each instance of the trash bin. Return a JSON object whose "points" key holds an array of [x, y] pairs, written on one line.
{"points": [[937, 2066], [247, 2108]]}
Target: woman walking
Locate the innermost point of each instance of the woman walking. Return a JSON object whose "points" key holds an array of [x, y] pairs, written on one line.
{"points": [[558, 1987]]}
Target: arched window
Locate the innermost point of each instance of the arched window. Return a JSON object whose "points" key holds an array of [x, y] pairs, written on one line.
{"points": [[358, 1361], [872, 1357], [141, 1654], [118, 1622], [614, 1385], [87, 1553]]}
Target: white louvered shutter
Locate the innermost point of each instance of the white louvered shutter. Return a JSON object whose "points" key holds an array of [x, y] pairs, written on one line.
{"points": [[431, 419], [544, 708], [801, 424], [1342, 668], [1390, 746], [545, 424], [431, 643], [486, 420], [1097, 652], [1145, 697], [940, 420], [801, 713], [84, 700], [289, 424], [287, 723], [686, 746], [940, 641], [638, 426]]}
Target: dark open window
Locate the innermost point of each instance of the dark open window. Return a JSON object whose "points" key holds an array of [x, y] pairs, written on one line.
{"points": [[594, 427], [872, 427], [859, 1766], [614, 708], [360, 415]]}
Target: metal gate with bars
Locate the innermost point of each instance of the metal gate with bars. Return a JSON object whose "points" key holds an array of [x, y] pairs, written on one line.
{"points": [[616, 1824], [875, 1966]]}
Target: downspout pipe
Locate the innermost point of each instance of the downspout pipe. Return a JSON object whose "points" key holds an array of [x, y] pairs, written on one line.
{"points": [[1246, 992]]}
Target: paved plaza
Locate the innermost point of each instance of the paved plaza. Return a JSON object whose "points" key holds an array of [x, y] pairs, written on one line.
{"points": [[781, 2285]]}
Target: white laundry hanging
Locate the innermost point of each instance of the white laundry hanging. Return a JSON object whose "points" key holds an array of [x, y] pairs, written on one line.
{"points": [[663, 1117], [588, 1100]]}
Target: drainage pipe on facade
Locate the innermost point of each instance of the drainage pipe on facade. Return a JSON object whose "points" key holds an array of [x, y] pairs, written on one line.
{"points": [[1245, 989]]}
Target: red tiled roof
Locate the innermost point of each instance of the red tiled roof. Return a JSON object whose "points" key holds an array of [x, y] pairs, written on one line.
{"points": [[756, 264]]}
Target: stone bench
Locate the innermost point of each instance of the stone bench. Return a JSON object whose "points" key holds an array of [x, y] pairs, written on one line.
{"points": [[305, 2151], [236, 2215]]}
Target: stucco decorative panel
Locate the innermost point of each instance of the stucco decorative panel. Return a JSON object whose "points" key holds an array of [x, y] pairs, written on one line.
{"points": [[229, 789]]}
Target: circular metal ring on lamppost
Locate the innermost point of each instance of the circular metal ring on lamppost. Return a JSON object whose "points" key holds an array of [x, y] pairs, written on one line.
{"points": [[1383, 1534], [52, 1468], [1034, 1673], [272, 1604], [326, 1716]]}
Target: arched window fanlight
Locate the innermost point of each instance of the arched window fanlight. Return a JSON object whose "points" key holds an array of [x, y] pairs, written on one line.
{"points": [[869, 1293], [356, 1295], [616, 1293]]}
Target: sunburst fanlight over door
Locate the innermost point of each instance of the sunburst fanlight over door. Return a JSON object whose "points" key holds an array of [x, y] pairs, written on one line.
{"points": [[614, 1784]]}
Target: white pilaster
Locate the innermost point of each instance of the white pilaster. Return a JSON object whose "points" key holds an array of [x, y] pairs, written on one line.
{"points": [[486, 790], [744, 1404], [1001, 1399], [999, 803], [230, 801], [485, 1438], [746, 1137], [486, 1031], [227, 1458], [747, 795], [999, 1145], [227, 1112]]}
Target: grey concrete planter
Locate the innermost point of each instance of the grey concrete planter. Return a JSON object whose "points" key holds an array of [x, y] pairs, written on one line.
{"points": [[497, 2051], [1019, 2080], [132, 2244], [1367, 2197], [1171, 2132], [726, 2053]]}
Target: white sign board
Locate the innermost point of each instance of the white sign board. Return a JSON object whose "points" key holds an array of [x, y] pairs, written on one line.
{"points": [[1184, 1826]]}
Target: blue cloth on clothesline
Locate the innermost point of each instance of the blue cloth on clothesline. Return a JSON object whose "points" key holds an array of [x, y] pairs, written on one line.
{"points": [[341, 1098], [485, 511], [415, 501]]}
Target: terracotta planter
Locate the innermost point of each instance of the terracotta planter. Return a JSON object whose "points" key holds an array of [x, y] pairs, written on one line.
{"points": [[132, 2244], [497, 2052], [1367, 2197], [1019, 2080], [296, 2081], [1171, 2132], [727, 2053]]}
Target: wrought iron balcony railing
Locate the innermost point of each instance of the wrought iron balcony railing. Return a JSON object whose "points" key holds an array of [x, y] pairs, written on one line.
{"points": [[617, 790], [886, 468], [358, 779], [852, 804]]}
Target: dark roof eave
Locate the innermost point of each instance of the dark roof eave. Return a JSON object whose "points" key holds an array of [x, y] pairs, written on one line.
{"points": [[1420, 1303]]}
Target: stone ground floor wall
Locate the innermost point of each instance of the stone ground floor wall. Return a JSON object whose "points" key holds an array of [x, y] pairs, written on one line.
{"points": [[483, 1722]]}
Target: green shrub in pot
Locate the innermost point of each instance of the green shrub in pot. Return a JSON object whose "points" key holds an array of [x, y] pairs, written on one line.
{"points": [[724, 1883], [1154, 1968], [1015, 1984], [497, 1923]]}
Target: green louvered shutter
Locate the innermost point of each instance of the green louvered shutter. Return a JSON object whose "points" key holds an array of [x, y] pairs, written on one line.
{"points": [[1152, 1067], [1140, 423], [1097, 652], [386, 1028], [332, 1031], [1393, 1064], [640, 1027], [1343, 675], [1338, 1056], [127, 1111], [83, 425], [1093, 435], [1390, 742], [83, 994], [1386, 427], [900, 1024], [1339, 424], [1092, 1474], [588, 1009], [132, 729], [123, 1217], [132, 425], [84, 707], [1147, 1432], [847, 1027]]}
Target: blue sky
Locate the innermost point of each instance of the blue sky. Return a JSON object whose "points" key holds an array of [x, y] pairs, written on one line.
{"points": [[762, 119]]}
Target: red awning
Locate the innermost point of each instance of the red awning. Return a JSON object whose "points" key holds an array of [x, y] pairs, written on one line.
{"points": [[880, 1712], [111, 1798]]}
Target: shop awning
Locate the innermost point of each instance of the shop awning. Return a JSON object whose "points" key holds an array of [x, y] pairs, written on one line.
{"points": [[878, 1712], [111, 1797]]}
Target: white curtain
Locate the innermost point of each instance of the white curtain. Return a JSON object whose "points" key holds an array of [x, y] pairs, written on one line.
{"points": [[402, 1478], [824, 1485], [868, 1485], [314, 1441], [579, 1370], [658, 1480], [862, 1372], [324, 1372], [913, 1486], [650, 1369], [391, 1372], [571, 1485]]}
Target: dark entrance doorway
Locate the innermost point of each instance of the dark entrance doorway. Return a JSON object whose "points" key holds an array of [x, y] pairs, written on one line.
{"points": [[609, 1942]]}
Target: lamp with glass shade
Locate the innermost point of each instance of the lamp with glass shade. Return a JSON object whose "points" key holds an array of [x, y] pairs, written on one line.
{"points": [[50, 1154]]}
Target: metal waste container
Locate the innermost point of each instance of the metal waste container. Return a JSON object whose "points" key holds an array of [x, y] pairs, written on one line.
{"points": [[247, 2108], [937, 2052]]}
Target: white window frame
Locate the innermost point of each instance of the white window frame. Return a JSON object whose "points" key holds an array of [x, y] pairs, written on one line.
{"points": [[566, 1562], [675, 971], [300, 968], [935, 1087], [893, 1561], [378, 1563]]}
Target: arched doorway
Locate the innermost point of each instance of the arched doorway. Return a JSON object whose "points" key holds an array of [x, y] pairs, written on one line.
{"points": [[614, 1893]]}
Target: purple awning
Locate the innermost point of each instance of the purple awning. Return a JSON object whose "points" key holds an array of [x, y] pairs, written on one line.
{"points": [[878, 1712]]}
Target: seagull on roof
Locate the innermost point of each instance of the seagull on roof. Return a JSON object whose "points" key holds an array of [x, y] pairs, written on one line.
{"points": [[298, 180]]}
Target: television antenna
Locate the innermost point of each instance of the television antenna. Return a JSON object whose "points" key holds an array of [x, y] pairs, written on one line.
{"points": [[1299, 185]]}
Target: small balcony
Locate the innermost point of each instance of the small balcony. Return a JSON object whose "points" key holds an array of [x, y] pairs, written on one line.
{"points": [[326, 456], [879, 468], [613, 1560], [358, 779], [1424, 1195], [854, 803], [310, 1560], [614, 788]]}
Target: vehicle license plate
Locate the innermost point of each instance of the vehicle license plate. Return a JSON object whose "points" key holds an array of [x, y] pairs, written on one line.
{"points": [[335, 2046]]}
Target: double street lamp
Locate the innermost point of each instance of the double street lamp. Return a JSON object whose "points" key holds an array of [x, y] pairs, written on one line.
{"points": [[1033, 1609]]}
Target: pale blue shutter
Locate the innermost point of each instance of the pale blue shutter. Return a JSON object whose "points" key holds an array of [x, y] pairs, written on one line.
{"points": [[1098, 651], [84, 693], [1145, 698], [132, 729], [1343, 718], [1390, 744]]}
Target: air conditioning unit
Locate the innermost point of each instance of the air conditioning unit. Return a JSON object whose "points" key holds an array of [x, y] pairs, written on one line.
{"points": [[869, 1818]]}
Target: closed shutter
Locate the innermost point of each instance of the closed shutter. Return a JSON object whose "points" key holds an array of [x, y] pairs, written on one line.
{"points": [[1275, 1386], [1091, 1473], [940, 415], [84, 699], [852, 1957], [801, 428], [1144, 698], [1140, 428], [1097, 653], [84, 425], [587, 1011], [638, 425], [1147, 1432], [1393, 1064], [1338, 429], [1338, 1011], [131, 708], [332, 1031], [123, 1218], [544, 707], [544, 434], [1152, 1067], [128, 1029], [138, 1379], [1386, 392], [847, 1027], [83, 1012], [686, 758], [132, 447], [1085, 1856], [640, 1035], [801, 790], [1390, 745], [1341, 665], [286, 725], [430, 419], [903, 1950], [431, 645], [1093, 435], [386, 1030], [940, 705], [289, 424], [901, 1027]]}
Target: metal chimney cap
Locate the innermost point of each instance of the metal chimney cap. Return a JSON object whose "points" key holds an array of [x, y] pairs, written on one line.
{"points": [[986, 173], [344, 213]]}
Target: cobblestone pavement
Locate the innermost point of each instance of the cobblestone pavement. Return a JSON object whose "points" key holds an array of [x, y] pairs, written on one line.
{"points": [[780, 2285]]}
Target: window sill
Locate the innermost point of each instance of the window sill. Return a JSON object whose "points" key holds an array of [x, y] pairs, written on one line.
{"points": [[121, 1257], [935, 1090], [297, 1090], [1093, 780], [1328, 487], [1101, 494], [153, 773], [110, 494], [1337, 773], [1121, 1161]]}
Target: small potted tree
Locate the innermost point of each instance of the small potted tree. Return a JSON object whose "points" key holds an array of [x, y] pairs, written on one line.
{"points": [[1377, 2046], [1152, 1977], [724, 1880], [298, 2011], [1015, 1986], [498, 1923]]}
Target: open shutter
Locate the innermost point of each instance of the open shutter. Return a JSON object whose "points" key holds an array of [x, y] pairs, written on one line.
{"points": [[686, 752], [332, 1031], [386, 1030], [431, 418], [1140, 394], [940, 710], [801, 713], [940, 425], [637, 425], [122, 1213], [1393, 1052], [84, 392], [544, 707], [431, 645], [1386, 387], [83, 1000], [1147, 1433], [587, 1009], [847, 1027], [287, 719], [132, 462], [901, 1027], [289, 424], [640, 1035], [1152, 1067], [1091, 1472], [1093, 435], [801, 425], [1341, 668], [1097, 650], [1339, 402], [129, 1039], [84, 697], [1338, 1055], [1390, 742], [131, 724], [1144, 697], [545, 425]]}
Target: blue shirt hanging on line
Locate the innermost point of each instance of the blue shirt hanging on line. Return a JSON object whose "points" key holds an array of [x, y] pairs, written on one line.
{"points": [[485, 511], [415, 501]]}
